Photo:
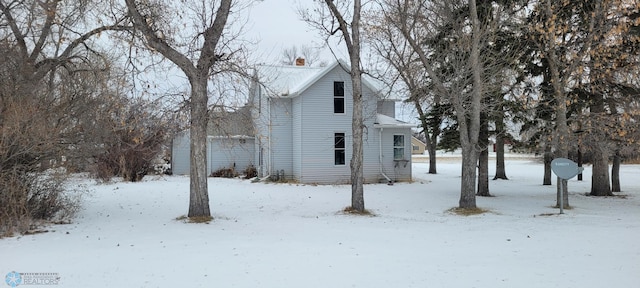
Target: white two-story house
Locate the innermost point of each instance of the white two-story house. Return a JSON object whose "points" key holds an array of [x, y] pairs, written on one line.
{"points": [[301, 119]]}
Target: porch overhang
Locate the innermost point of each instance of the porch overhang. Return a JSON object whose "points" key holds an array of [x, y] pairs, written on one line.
{"points": [[384, 121]]}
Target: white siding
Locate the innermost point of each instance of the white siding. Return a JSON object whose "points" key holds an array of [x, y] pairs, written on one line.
{"points": [[180, 151], [318, 125], [273, 140], [261, 119], [230, 152], [281, 138], [396, 170], [371, 149], [221, 153], [296, 140], [297, 134]]}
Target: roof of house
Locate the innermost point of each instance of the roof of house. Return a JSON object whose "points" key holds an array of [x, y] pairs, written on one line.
{"points": [[292, 81], [230, 123], [384, 121]]}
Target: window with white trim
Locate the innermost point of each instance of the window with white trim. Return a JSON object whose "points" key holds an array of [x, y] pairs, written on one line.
{"points": [[398, 147]]}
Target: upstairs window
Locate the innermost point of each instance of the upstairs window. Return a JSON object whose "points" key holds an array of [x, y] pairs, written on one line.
{"points": [[338, 97], [398, 147], [339, 146]]}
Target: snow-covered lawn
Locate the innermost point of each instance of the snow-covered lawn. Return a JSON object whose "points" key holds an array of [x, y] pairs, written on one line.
{"points": [[287, 235]]}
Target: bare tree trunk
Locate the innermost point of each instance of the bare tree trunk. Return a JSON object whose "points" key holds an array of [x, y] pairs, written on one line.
{"points": [[357, 175], [432, 158], [615, 173], [468, 181], [469, 132], [483, 174], [431, 141], [483, 159], [579, 162], [352, 41], [500, 167], [600, 172], [600, 182], [561, 137], [198, 192], [357, 122], [547, 165]]}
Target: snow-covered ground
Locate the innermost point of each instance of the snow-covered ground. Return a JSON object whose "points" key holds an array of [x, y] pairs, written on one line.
{"points": [[287, 235]]}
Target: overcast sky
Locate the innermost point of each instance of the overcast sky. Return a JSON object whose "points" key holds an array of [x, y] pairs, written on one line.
{"points": [[277, 26]]}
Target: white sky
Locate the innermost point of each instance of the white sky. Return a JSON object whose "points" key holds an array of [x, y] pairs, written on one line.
{"points": [[277, 25]]}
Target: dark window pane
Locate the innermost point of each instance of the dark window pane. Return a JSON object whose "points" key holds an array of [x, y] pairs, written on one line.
{"points": [[338, 89], [339, 140], [398, 140], [338, 105], [339, 152], [339, 157]]}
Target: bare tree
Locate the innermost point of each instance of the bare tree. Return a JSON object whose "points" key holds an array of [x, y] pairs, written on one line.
{"points": [[310, 55], [289, 55], [146, 17], [463, 89], [46, 48], [390, 45], [331, 22], [457, 45]]}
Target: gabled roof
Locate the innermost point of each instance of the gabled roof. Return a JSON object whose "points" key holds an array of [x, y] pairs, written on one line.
{"points": [[230, 123], [292, 81], [384, 121]]}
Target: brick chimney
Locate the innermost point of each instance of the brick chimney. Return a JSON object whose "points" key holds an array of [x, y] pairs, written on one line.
{"points": [[299, 61]]}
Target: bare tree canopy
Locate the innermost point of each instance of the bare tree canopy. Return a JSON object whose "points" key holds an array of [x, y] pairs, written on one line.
{"points": [[150, 21], [51, 74]]}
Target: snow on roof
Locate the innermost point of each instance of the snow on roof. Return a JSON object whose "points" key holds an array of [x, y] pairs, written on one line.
{"points": [[384, 121], [286, 81], [291, 81]]}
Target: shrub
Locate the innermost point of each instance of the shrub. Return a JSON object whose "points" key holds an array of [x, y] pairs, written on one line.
{"points": [[225, 173], [250, 172], [32, 198], [131, 143]]}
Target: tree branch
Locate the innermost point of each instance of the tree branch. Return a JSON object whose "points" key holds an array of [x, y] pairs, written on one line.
{"points": [[15, 29], [212, 36], [50, 9], [160, 45]]}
